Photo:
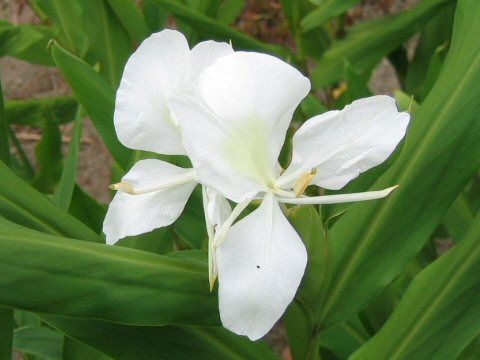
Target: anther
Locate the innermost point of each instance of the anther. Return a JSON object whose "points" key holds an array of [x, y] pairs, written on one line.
{"points": [[303, 181], [123, 187]]}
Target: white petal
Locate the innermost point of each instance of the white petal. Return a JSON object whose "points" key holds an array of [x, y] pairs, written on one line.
{"points": [[343, 144], [247, 87], [202, 56], [231, 161], [130, 215], [260, 266], [218, 208], [154, 73]]}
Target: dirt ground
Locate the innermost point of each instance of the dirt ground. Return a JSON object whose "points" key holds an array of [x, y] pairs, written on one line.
{"points": [[22, 80]]}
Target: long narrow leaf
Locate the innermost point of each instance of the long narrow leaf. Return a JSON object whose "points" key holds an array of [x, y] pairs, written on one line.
{"points": [[39, 341], [131, 18], [214, 29], [27, 42], [64, 192], [96, 97], [22, 204], [324, 12], [36, 112], [52, 275], [4, 143], [440, 322], [166, 342], [366, 44], [440, 156], [75, 350], [6, 333]]}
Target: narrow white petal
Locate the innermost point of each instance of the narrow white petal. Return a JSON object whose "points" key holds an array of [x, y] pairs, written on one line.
{"points": [[217, 210], [233, 162], [252, 92], [153, 74], [337, 199], [130, 215], [260, 266], [343, 144]]}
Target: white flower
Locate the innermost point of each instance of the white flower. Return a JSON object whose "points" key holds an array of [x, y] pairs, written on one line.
{"points": [[153, 193], [233, 131]]}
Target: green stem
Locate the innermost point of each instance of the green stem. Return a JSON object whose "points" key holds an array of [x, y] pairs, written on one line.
{"points": [[313, 350]]}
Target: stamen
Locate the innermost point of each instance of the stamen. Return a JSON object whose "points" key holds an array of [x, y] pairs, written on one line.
{"points": [[337, 199], [123, 187], [303, 181], [129, 189], [222, 233]]}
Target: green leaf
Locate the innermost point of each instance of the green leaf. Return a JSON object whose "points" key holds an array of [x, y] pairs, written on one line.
{"points": [[437, 33], [406, 102], [130, 17], [87, 209], [6, 333], [39, 341], [91, 31], [64, 192], [440, 312], [37, 112], [96, 97], [154, 16], [109, 43], [25, 318], [366, 43], [68, 17], [49, 159], [27, 42], [22, 204], [458, 218], [431, 173], [472, 351], [325, 11], [190, 226], [4, 143], [434, 69], [216, 30], [312, 106], [303, 336], [229, 10], [356, 87], [168, 342], [158, 241], [86, 280], [343, 339], [24, 168], [75, 350]]}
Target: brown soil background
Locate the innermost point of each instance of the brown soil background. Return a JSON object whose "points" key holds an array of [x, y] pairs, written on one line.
{"points": [[261, 18]]}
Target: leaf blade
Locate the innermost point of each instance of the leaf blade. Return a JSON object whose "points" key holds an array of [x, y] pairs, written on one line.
{"points": [[86, 280]]}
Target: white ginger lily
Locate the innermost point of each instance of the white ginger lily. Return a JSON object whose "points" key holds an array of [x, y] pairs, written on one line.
{"points": [[233, 132], [154, 193]]}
